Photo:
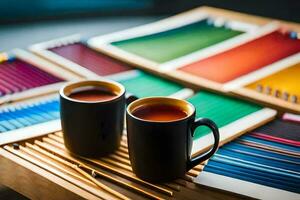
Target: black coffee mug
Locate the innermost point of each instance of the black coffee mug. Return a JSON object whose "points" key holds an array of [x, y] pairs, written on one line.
{"points": [[160, 151], [92, 128]]}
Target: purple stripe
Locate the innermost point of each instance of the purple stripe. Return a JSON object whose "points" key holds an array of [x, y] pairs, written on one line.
{"points": [[13, 80], [17, 75], [23, 75], [41, 72]]}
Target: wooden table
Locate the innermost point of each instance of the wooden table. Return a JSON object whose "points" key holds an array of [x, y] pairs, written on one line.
{"points": [[33, 170]]}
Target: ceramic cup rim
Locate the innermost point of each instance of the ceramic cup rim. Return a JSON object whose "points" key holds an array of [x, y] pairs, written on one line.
{"points": [[66, 90], [187, 107]]}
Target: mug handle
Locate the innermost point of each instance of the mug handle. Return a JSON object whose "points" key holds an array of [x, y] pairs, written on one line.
{"points": [[130, 98], [192, 162]]}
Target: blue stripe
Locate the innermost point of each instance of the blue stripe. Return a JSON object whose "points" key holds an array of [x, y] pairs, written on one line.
{"points": [[2, 129], [17, 116], [260, 160], [257, 165], [268, 170], [261, 154], [253, 174], [248, 175], [7, 125], [11, 121], [238, 146], [29, 114]]}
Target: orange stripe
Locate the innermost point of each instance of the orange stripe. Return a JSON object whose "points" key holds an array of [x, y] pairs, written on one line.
{"points": [[245, 58]]}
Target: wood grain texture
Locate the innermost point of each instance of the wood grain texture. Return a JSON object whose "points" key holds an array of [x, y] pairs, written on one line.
{"points": [[33, 156], [25, 178]]}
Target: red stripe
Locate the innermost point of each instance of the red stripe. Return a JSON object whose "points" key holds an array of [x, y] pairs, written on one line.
{"points": [[276, 139], [90, 59]]}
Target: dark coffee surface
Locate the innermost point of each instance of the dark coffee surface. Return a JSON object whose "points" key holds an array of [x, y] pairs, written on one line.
{"points": [[92, 95], [159, 113]]}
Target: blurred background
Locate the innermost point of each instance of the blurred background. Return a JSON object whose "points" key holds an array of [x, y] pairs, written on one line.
{"points": [[33, 10], [24, 22]]}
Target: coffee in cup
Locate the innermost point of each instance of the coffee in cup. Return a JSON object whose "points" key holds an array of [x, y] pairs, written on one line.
{"points": [[160, 134], [92, 94], [92, 116]]}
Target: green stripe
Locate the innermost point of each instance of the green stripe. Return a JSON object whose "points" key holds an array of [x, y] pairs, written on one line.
{"points": [[144, 85], [221, 109], [168, 45]]}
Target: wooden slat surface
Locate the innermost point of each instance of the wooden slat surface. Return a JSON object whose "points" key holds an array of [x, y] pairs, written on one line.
{"points": [[46, 158], [24, 177]]}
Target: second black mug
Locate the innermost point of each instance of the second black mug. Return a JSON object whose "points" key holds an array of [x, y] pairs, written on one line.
{"points": [[160, 134]]}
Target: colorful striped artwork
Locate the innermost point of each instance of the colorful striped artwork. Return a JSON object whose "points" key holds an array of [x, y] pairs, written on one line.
{"points": [[17, 75], [282, 84], [144, 84], [90, 59], [243, 62], [281, 130], [269, 156], [26, 114], [246, 58], [167, 45], [221, 109]]}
